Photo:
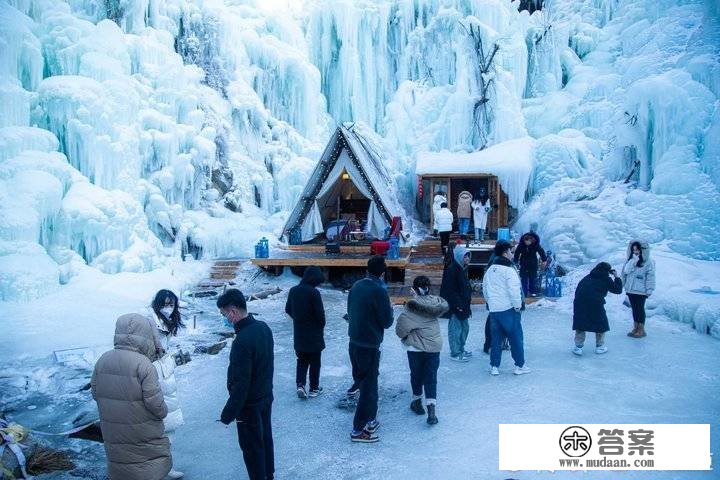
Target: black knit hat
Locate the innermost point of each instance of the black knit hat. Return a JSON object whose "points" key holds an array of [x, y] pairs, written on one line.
{"points": [[376, 265]]}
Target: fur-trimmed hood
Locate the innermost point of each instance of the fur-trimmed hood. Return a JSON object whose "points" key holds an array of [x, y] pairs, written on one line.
{"points": [[430, 306], [644, 248]]}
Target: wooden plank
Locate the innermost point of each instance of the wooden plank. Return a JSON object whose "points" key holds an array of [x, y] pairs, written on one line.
{"points": [[326, 261], [344, 248]]}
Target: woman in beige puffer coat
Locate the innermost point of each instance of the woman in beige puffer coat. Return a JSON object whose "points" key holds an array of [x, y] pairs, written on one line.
{"points": [[126, 387], [464, 211], [419, 329]]}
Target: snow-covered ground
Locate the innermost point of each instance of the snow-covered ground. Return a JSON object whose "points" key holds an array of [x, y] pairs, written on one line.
{"points": [[669, 377]]}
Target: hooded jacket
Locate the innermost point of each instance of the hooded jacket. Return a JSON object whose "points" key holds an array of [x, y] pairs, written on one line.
{"points": [[443, 220], [464, 209], [526, 255], [589, 302], [639, 280], [418, 326], [480, 213], [126, 388], [501, 286], [455, 287], [305, 307], [437, 201]]}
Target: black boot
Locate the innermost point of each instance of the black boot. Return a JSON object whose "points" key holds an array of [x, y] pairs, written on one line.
{"points": [[416, 406], [432, 419]]}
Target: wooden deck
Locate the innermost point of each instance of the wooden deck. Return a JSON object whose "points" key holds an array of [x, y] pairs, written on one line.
{"points": [[289, 258]]}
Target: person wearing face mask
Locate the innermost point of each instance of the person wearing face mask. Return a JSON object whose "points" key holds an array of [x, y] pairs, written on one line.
{"points": [[250, 385], [165, 318], [369, 314], [457, 291], [419, 329], [638, 276], [165, 313]]}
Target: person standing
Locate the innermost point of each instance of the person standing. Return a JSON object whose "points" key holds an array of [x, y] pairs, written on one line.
{"points": [[165, 317], [305, 307], [589, 306], [638, 275], [464, 211], [481, 209], [165, 314], [369, 315], [126, 387], [443, 224], [457, 291], [419, 329], [438, 200], [503, 294], [250, 385], [526, 256]]}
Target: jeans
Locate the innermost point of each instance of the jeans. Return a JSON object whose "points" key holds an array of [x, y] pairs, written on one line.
{"points": [[637, 303], [580, 338], [458, 331], [480, 234], [307, 360], [255, 436], [506, 324], [365, 366], [463, 225], [529, 282], [423, 373]]}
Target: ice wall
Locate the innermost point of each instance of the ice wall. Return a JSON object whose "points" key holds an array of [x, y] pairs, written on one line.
{"points": [[130, 129]]}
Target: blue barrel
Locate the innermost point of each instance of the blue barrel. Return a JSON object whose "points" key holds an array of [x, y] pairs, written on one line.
{"points": [[503, 234]]}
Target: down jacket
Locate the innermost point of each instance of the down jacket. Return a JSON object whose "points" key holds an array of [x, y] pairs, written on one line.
{"points": [[639, 280], [589, 304], [444, 220], [126, 388], [464, 209], [305, 307], [418, 326]]}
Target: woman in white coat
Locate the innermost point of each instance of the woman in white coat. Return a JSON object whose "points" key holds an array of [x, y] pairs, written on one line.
{"points": [[164, 315], [439, 199], [444, 223], [638, 276], [481, 208]]}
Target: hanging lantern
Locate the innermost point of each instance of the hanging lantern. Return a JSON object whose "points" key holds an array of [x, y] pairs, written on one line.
{"points": [[420, 187]]}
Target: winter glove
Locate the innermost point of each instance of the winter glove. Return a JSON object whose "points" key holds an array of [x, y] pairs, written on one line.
{"points": [[226, 417]]}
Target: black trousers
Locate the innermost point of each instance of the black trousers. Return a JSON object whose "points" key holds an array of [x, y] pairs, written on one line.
{"points": [[637, 303], [366, 368], [423, 373], [307, 360], [256, 441], [444, 241]]}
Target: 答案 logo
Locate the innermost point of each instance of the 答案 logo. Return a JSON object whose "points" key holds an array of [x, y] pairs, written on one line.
{"points": [[575, 441]]}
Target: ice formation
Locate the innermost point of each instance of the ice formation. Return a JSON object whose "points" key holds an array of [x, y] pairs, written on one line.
{"points": [[135, 131]]}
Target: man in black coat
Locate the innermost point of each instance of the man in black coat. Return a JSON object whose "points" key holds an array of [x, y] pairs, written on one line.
{"points": [[457, 291], [250, 384], [589, 306], [305, 307], [369, 315], [526, 256]]}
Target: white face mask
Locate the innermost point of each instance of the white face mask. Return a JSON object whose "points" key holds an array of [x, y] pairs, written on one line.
{"points": [[423, 291], [167, 311]]}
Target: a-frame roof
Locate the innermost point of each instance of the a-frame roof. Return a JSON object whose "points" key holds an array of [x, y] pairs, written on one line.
{"points": [[366, 157]]}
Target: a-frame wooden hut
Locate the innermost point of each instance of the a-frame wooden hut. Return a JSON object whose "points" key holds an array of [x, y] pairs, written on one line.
{"points": [[349, 182]]}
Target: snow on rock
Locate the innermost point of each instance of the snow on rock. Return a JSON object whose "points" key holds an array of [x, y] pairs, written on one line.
{"points": [[26, 272], [511, 161], [14, 140]]}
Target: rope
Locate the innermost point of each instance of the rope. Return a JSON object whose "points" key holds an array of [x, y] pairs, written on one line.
{"points": [[12, 434]]}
